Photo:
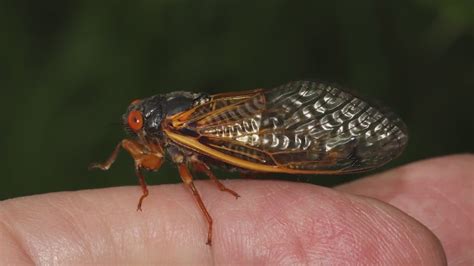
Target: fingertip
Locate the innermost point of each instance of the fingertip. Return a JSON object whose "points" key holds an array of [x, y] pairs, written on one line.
{"points": [[401, 240], [437, 192]]}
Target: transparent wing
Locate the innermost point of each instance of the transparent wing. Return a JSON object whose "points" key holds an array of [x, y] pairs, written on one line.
{"points": [[303, 125]]}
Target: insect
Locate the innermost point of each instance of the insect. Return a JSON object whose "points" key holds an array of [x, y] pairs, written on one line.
{"points": [[302, 127]]}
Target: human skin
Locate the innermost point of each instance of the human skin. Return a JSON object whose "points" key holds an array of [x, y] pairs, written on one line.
{"points": [[404, 216]]}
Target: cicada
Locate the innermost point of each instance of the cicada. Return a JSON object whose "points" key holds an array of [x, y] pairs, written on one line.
{"points": [[302, 127]]}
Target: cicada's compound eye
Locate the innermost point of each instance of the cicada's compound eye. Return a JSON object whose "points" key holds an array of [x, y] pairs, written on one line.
{"points": [[135, 120]]}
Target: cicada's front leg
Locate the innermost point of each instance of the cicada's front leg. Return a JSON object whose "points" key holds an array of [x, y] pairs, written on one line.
{"points": [[144, 157]]}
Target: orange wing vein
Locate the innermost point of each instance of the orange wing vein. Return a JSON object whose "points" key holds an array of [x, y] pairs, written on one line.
{"points": [[299, 127]]}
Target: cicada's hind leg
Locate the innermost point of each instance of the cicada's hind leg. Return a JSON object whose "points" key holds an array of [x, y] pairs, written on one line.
{"points": [[188, 181], [143, 157], [202, 167]]}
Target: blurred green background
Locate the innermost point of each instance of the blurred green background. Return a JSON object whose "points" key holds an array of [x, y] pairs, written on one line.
{"points": [[68, 69]]}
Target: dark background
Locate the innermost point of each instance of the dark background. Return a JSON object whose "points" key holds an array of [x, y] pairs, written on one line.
{"points": [[68, 69]]}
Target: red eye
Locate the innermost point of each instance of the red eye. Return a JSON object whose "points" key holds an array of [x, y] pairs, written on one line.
{"points": [[135, 120]]}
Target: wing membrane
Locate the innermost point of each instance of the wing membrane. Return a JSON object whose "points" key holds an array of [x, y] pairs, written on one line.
{"points": [[301, 126]]}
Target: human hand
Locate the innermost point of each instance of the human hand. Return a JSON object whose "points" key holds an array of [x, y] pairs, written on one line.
{"points": [[272, 223]]}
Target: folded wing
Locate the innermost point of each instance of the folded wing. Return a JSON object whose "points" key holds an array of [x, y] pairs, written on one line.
{"points": [[301, 126]]}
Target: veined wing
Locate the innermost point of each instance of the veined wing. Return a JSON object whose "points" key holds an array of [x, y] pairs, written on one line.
{"points": [[299, 127]]}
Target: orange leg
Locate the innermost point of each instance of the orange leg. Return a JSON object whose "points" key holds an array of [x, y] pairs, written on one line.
{"points": [[141, 179], [143, 158], [202, 167], [106, 165], [188, 181]]}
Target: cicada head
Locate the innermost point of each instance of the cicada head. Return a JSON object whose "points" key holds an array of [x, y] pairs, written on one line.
{"points": [[143, 117]]}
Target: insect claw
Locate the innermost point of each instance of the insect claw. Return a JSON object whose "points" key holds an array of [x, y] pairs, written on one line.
{"points": [[98, 166], [230, 191], [106, 165]]}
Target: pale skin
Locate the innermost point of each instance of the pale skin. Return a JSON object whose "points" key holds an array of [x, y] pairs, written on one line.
{"points": [[404, 216]]}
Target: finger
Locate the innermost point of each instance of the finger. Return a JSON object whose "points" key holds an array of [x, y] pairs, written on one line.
{"points": [[272, 223], [437, 192]]}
